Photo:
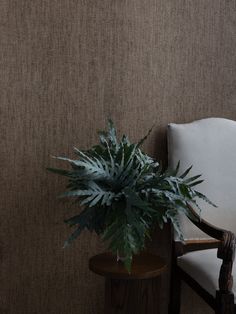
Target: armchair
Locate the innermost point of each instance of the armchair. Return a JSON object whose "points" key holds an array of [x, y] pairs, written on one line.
{"points": [[205, 259]]}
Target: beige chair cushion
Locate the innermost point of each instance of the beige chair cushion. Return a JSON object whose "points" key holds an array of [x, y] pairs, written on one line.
{"points": [[204, 268], [210, 146]]}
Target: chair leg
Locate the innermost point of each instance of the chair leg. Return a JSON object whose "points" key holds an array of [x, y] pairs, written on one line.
{"points": [[175, 291], [224, 303]]}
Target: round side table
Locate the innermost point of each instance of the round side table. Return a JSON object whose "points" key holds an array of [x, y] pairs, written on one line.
{"points": [[134, 293]]}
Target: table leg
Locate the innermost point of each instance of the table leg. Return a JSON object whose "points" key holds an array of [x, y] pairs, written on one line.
{"points": [[132, 296]]}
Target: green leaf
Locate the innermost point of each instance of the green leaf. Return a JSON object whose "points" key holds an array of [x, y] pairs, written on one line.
{"points": [[112, 133], [183, 175], [72, 237], [145, 137], [192, 179], [176, 169], [60, 171], [195, 183], [206, 199], [92, 197], [134, 200]]}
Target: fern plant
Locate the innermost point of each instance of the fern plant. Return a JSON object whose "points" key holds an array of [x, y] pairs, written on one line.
{"points": [[123, 193]]}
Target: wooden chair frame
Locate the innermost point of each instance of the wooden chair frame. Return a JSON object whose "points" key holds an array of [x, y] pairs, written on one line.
{"points": [[225, 241]]}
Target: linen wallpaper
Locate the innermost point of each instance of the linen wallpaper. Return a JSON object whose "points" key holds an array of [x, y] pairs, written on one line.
{"points": [[67, 66]]}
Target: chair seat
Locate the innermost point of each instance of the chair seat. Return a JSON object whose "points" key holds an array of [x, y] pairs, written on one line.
{"points": [[204, 267]]}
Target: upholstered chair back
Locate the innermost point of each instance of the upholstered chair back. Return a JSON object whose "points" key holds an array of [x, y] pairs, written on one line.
{"points": [[210, 146]]}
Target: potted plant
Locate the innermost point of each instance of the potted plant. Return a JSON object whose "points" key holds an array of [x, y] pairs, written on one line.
{"points": [[123, 193]]}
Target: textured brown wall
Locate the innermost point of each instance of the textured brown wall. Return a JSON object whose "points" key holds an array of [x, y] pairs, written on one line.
{"points": [[65, 66]]}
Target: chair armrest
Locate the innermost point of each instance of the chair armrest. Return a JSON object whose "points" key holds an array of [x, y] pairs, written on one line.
{"points": [[226, 249], [206, 227], [200, 244]]}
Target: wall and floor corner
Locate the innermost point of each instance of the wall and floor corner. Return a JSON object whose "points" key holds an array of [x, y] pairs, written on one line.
{"points": [[65, 66]]}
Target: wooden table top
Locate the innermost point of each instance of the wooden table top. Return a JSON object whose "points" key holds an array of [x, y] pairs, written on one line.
{"points": [[144, 266]]}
